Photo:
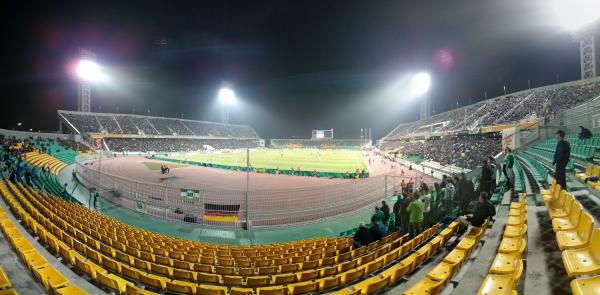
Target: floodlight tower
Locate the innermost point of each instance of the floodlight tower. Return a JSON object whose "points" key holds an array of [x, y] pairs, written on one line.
{"points": [[420, 84], [582, 18], [226, 98], [588, 38], [84, 96]]}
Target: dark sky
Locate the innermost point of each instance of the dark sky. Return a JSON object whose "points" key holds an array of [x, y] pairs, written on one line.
{"points": [[295, 65]]}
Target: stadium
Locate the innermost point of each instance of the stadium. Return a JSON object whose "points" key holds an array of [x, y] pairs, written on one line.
{"points": [[266, 186]]}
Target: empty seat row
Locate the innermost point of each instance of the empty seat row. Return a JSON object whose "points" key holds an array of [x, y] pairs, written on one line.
{"points": [[443, 272], [50, 277], [576, 237], [45, 160], [507, 267], [111, 274], [406, 265]]}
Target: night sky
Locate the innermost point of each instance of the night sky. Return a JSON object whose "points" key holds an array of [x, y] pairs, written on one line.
{"points": [[295, 65]]}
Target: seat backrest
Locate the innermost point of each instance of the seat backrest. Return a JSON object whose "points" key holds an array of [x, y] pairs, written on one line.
{"points": [[586, 224], [569, 203], [575, 213], [595, 244]]}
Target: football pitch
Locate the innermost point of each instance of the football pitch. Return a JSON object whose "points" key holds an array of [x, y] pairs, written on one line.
{"points": [[338, 161]]}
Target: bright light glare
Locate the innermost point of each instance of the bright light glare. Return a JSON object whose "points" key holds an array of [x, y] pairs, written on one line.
{"points": [[227, 96], [575, 14], [89, 71], [420, 83]]}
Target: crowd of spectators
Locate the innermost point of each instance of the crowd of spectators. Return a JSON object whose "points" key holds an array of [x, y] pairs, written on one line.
{"points": [[526, 105], [136, 125], [420, 206], [119, 145], [465, 151]]}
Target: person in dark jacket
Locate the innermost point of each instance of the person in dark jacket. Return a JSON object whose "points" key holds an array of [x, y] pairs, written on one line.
{"points": [[386, 212], [485, 209], [466, 193], [584, 133], [396, 210], [378, 230], [486, 177], [562, 154], [362, 237]]}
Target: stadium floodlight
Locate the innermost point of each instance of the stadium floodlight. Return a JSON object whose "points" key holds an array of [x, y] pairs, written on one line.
{"points": [[226, 96], [420, 84], [576, 14], [90, 71]]}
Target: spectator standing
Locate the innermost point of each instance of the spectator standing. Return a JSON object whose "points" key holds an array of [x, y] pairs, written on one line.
{"points": [[562, 154], [486, 177], [386, 212], [378, 216], [362, 237], [415, 209], [449, 195], [494, 167], [509, 161]]}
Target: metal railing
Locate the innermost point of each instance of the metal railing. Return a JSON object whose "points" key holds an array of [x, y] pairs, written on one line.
{"points": [[234, 208]]}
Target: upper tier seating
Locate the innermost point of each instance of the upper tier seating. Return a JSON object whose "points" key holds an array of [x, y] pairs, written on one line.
{"points": [[523, 106], [135, 125]]}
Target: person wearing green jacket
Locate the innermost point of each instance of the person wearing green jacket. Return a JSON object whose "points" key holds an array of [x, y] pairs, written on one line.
{"points": [[507, 167], [415, 209], [378, 216]]}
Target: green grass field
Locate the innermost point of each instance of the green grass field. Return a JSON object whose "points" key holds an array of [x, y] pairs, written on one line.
{"points": [[339, 161]]}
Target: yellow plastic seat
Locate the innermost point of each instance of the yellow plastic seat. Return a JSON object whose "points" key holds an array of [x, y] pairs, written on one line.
{"points": [[587, 173], [495, 284], [586, 286], [467, 244], [285, 278], [556, 201], [517, 220], [133, 290], [4, 281], [257, 281], [181, 287], [456, 256], [552, 196], [50, 278], [372, 285], [584, 260], [577, 237], [510, 245], [328, 283], [401, 269], [34, 260], [425, 286], [211, 290], [71, 290], [275, 290], [302, 287], [154, 281], [507, 263], [568, 222], [351, 275], [241, 291], [307, 275], [113, 282], [88, 267], [563, 210], [208, 278], [442, 272], [8, 292], [422, 254], [515, 231]]}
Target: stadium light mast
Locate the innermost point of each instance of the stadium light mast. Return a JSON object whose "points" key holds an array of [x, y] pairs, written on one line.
{"points": [[419, 87], [582, 18], [88, 72], [226, 98]]}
